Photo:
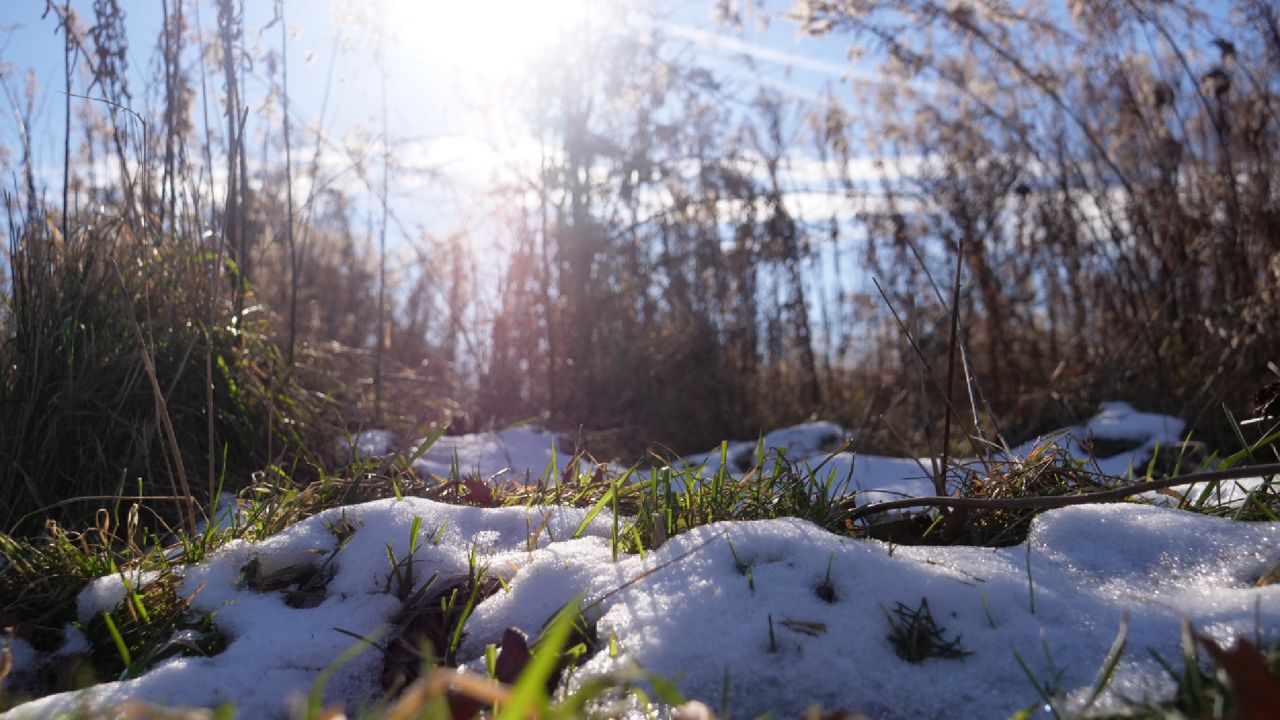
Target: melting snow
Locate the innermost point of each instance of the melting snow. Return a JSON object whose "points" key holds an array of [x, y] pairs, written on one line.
{"points": [[522, 451], [697, 617], [106, 592]]}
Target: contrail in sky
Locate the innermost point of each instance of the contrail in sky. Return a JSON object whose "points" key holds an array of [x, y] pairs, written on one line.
{"points": [[730, 44]]}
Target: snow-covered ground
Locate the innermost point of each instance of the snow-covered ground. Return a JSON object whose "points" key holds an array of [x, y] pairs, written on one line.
{"points": [[767, 638], [528, 452], [518, 453]]}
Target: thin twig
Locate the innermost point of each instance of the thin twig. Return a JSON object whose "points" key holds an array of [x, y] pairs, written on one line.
{"points": [[884, 419], [941, 480], [146, 161], [1045, 503], [946, 398]]}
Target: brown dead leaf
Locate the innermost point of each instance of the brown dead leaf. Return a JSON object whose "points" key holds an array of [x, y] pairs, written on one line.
{"points": [[805, 627], [1257, 689], [513, 656], [428, 624], [477, 492]]}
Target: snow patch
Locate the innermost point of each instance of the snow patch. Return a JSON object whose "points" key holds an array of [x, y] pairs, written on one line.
{"points": [[367, 444], [696, 618], [276, 651], [22, 655], [799, 617], [519, 451], [105, 593]]}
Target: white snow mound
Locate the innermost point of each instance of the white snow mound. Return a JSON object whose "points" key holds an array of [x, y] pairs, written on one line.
{"points": [[702, 620]]}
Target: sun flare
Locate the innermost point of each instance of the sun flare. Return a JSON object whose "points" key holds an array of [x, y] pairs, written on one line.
{"points": [[490, 39]]}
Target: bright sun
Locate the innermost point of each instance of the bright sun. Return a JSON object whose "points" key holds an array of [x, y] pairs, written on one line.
{"points": [[490, 38]]}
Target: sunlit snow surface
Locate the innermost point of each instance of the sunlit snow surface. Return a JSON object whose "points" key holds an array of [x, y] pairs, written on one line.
{"points": [[524, 452], [517, 453], [1056, 602]]}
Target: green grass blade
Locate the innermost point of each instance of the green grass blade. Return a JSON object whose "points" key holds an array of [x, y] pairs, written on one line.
{"points": [[529, 694], [595, 510], [1110, 664], [117, 638], [427, 442], [315, 697]]}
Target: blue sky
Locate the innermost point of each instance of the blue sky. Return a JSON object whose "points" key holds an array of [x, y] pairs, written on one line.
{"points": [[443, 114], [448, 115]]}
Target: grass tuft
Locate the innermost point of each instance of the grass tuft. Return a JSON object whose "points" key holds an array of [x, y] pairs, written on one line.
{"points": [[916, 636]]}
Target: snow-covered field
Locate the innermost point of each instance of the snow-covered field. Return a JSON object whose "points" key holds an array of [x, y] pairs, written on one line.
{"points": [[808, 623]]}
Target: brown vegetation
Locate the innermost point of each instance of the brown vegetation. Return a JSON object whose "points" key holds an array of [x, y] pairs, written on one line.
{"points": [[1105, 181]]}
